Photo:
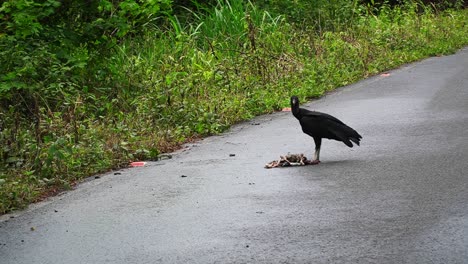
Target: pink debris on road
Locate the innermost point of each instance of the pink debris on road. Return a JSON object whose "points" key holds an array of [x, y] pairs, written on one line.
{"points": [[138, 164]]}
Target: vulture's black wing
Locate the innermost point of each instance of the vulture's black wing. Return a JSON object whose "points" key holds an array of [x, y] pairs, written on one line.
{"points": [[323, 125]]}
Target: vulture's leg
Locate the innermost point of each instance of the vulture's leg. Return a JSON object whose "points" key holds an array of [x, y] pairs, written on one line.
{"points": [[318, 143]]}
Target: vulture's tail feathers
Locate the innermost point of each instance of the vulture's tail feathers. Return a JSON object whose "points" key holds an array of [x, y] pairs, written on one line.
{"points": [[346, 134]]}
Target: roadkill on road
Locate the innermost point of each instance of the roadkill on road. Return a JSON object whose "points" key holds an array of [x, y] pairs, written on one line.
{"points": [[290, 160]]}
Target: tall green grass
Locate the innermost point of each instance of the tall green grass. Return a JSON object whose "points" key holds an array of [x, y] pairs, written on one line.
{"points": [[182, 81]]}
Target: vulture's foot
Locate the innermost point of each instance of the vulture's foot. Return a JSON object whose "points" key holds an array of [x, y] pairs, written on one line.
{"points": [[314, 162]]}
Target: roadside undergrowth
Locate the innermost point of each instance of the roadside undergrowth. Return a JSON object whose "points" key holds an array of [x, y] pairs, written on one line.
{"points": [[180, 81]]}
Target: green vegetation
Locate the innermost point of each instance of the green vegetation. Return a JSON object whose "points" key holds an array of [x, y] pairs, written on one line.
{"points": [[89, 87]]}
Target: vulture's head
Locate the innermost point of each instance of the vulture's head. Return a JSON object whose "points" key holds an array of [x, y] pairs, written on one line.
{"points": [[295, 105], [294, 102]]}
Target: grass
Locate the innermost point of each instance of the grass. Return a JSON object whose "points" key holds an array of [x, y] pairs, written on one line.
{"points": [[155, 91]]}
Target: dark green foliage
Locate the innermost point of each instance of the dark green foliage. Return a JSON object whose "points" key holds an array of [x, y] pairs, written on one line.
{"points": [[86, 86], [50, 100], [321, 14], [439, 4]]}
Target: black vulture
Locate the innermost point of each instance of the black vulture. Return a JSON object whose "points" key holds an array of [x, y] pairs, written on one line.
{"points": [[320, 125]]}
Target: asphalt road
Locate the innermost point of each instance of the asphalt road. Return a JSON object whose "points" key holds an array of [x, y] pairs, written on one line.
{"points": [[402, 197]]}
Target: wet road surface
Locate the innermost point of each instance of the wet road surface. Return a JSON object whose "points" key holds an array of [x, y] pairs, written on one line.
{"points": [[402, 197]]}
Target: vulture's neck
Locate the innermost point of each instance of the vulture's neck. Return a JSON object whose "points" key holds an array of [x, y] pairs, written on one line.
{"points": [[296, 111]]}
